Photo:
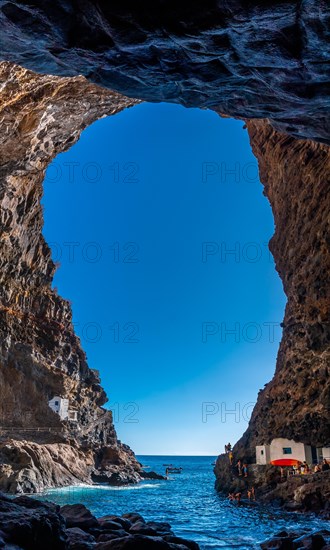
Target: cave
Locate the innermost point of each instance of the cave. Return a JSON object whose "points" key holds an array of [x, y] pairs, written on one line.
{"points": [[67, 64]]}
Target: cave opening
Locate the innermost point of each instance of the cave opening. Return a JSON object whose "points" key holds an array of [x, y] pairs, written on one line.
{"points": [[159, 229]]}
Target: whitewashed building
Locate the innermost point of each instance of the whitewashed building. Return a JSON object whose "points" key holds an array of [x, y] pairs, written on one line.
{"points": [[282, 448], [60, 406]]}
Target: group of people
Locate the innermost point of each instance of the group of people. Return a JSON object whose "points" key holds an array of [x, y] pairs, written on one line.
{"points": [[242, 467], [304, 468], [323, 466], [237, 497]]}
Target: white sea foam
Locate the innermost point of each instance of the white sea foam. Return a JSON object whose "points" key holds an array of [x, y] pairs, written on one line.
{"points": [[84, 486]]}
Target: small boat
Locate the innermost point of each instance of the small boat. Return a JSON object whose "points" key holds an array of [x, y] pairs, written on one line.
{"points": [[173, 470]]}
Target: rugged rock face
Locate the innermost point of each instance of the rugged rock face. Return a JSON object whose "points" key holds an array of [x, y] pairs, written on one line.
{"points": [[40, 355], [296, 403], [29, 467], [250, 59]]}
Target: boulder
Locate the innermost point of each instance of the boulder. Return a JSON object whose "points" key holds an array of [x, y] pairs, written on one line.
{"points": [[31, 524], [115, 533], [277, 543], [141, 528], [106, 537], [160, 527], [77, 515], [313, 541], [151, 475], [124, 522], [133, 517], [110, 525], [116, 478], [77, 539]]}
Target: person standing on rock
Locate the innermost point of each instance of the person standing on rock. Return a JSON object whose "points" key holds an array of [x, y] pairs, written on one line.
{"points": [[231, 457], [245, 470], [239, 467]]}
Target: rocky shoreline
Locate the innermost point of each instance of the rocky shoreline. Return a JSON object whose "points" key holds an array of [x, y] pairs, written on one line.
{"points": [[31, 524], [27, 467]]}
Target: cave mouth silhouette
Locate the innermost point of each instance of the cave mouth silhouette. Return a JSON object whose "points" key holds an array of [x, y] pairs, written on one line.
{"points": [[162, 249]]}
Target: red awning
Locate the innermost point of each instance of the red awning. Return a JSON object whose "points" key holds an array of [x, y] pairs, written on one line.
{"points": [[285, 462]]}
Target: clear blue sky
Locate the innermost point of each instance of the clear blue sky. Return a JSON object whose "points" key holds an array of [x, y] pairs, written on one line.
{"points": [[141, 214]]}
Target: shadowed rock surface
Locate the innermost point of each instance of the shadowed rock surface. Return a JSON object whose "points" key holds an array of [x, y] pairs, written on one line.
{"points": [[33, 525], [248, 59]]}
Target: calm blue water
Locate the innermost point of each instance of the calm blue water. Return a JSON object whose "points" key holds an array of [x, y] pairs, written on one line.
{"points": [[190, 504]]}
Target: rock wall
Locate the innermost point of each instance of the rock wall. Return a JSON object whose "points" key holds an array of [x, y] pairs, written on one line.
{"points": [[40, 355], [296, 403], [250, 59]]}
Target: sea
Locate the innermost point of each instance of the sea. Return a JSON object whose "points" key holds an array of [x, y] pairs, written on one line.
{"points": [[189, 502]]}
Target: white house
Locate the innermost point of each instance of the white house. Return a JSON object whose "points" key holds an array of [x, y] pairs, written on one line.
{"points": [[61, 407], [281, 448], [263, 454]]}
